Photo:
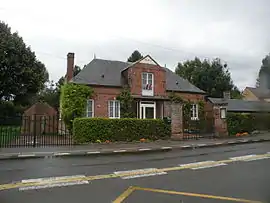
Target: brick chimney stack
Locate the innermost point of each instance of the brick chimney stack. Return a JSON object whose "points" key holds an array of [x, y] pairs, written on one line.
{"points": [[70, 66]]}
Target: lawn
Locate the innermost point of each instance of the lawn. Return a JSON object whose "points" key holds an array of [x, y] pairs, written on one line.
{"points": [[8, 133]]}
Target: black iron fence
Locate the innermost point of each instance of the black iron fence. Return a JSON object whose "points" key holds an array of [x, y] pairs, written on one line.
{"points": [[33, 131]]}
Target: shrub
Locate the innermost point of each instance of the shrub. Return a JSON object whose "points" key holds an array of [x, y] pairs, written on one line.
{"points": [[73, 102], [87, 130], [247, 122]]}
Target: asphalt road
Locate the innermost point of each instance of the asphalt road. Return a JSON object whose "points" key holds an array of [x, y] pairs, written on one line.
{"points": [[243, 178]]}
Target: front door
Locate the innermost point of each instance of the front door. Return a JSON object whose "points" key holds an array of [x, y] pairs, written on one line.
{"points": [[147, 110]]}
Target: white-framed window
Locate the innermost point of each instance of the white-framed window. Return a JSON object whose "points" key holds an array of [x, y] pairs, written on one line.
{"points": [[114, 109], [223, 113], [147, 81], [90, 108], [194, 111]]}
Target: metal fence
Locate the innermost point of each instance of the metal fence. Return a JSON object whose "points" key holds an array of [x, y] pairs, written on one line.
{"points": [[33, 131]]}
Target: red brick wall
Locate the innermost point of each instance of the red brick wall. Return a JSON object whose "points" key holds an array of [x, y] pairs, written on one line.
{"points": [[135, 81], [101, 97], [186, 96]]}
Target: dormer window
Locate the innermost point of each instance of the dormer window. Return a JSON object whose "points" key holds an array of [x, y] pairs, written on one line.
{"points": [[147, 84]]}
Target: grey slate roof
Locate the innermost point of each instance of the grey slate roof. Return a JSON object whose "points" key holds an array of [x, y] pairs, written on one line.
{"points": [[111, 70], [239, 105]]}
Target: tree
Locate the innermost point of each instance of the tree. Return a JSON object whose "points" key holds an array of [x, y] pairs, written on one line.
{"points": [[135, 56], [51, 93], [264, 73], [21, 74], [211, 76]]}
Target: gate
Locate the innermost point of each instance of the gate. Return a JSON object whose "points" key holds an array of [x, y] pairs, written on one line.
{"points": [[33, 131]]}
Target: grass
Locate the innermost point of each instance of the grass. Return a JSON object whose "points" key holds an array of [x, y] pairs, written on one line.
{"points": [[8, 133]]}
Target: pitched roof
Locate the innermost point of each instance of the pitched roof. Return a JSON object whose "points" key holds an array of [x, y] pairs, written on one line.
{"points": [[239, 105], [108, 73], [260, 93]]}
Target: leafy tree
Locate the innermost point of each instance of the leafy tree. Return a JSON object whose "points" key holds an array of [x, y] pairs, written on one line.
{"points": [[264, 73], [21, 74], [135, 56], [51, 93], [211, 76]]}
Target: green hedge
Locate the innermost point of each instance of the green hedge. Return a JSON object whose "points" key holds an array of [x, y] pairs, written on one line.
{"points": [[243, 122], [86, 130]]}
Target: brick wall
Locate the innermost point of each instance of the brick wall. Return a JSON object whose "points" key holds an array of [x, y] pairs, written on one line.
{"points": [[186, 96], [135, 78], [101, 97]]}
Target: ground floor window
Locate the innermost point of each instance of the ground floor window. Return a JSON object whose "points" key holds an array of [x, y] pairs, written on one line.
{"points": [[194, 111], [90, 108], [114, 109]]}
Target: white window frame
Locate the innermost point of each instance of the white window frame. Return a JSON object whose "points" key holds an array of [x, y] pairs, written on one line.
{"points": [[147, 92], [223, 112], [114, 108], [92, 110], [143, 105], [194, 112]]}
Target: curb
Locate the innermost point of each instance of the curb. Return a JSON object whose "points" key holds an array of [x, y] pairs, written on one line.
{"points": [[35, 155]]}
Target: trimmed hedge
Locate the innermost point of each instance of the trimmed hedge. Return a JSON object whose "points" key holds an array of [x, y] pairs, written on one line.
{"points": [[247, 122], [87, 130]]}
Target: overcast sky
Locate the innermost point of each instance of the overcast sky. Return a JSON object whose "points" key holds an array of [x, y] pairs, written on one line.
{"points": [[237, 31]]}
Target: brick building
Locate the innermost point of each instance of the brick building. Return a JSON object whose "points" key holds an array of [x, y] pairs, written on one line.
{"points": [[148, 82]]}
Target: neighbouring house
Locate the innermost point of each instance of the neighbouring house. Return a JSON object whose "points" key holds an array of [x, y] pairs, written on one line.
{"points": [[256, 94], [39, 119], [220, 107], [149, 84]]}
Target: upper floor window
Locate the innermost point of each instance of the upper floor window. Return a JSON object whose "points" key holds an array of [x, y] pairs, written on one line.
{"points": [[194, 111], [114, 109], [90, 108], [147, 84]]}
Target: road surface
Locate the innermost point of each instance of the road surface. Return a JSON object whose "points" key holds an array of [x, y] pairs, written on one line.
{"points": [[224, 174]]}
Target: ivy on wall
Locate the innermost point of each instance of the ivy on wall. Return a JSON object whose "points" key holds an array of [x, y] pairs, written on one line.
{"points": [[73, 102], [126, 104], [187, 105]]}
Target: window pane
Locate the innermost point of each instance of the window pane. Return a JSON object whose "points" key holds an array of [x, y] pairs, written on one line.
{"points": [[150, 77], [111, 109], [89, 107], [117, 106], [144, 76]]}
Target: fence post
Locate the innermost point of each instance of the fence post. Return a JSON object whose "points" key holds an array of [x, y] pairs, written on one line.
{"points": [[35, 132]]}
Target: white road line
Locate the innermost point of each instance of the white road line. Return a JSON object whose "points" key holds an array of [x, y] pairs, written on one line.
{"points": [[200, 145], [26, 155], [231, 142], [240, 158], [185, 146], [61, 153], [202, 165], [49, 182], [209, 166], [166, 147], [132, 173], [257, 158], [218, 143], [244, 141], [95, 152], [146, 149], [120, 151]]}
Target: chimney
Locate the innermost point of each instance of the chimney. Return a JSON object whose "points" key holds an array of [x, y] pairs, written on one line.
{"points": [[227, 95], [70, 66]]}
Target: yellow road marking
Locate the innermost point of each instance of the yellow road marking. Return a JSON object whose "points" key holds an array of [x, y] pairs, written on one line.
{"points": [[124, 195], [194, 195], [112, 175]]}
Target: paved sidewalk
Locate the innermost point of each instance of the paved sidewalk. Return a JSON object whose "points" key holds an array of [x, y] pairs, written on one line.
{"points": [[123, 148]]}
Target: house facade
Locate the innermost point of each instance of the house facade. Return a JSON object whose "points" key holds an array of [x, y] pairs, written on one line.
{"points": [[256, 94], [148, 82]]}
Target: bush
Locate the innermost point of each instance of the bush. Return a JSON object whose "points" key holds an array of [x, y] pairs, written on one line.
{"points": [[240, 122], [73, 102], [87, 130]]}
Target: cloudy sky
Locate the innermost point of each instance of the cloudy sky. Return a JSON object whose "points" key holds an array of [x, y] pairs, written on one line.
{"points": [[237, 31]]}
